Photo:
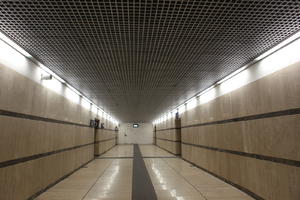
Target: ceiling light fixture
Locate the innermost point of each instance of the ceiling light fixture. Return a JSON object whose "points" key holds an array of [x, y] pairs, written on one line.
{"points": [[11, 43], [262, 56], [50, 74]]}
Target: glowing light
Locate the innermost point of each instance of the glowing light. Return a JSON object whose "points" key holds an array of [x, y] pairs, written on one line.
{"points": [[235, 82], [175, 110], [232, 74], [192, 103], [14, 45], [47, 70], [53, 85], [76, 91], [71, 95], [104, 115], [12, 58], [206, 97], [85, 103], [206, 90], [181, 109], [100, 113], [16, 58], [280, 59], [279, 46], [277, 58], [94, 109], [169, 115]]}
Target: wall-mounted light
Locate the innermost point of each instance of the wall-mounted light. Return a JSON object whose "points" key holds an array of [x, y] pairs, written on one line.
{"points": [[47, 70], [232, 74], [229, 83], [46, 76], [56, 83]]}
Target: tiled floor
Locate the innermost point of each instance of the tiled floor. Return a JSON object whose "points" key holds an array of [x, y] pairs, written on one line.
{"points": [[154, 151], [115, 183], [111, 178], [120, 151]]}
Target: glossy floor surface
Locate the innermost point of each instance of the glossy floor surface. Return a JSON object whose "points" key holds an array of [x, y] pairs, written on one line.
{"points": [[110, 177]]}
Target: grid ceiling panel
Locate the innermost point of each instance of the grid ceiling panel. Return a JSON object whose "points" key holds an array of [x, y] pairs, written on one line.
{"points": [[140, 58]]}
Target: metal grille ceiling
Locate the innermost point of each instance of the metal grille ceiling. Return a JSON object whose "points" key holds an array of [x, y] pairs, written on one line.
{"points": [[140, 58]]}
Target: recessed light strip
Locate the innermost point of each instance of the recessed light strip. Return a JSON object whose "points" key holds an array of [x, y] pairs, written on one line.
{"points": [[19, 49], [286, 42], [8, 41]]}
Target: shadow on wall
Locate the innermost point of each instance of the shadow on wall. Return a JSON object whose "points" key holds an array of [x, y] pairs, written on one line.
{"points": [[143, 134]]}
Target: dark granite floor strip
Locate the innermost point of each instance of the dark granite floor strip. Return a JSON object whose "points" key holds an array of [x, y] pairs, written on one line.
{"points": [[160, 157], [133, 157], [142, 187]]}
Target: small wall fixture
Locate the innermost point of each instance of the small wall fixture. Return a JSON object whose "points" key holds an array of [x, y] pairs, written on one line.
{"points": [[46, 77]]}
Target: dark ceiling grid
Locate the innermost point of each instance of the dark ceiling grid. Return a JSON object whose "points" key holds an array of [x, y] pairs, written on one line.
{"points": [[200, 54], [141, 58], [185, 47]]}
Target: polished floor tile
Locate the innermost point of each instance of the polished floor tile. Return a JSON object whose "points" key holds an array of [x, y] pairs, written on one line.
{"points": [[115, 183], [209, 186], [119, 151], [78, 184], [110, 178], [154, 151], [168, 183]]}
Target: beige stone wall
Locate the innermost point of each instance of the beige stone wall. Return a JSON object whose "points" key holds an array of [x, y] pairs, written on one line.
{"points": [[250, 136], [47, 131], [168, 135]]}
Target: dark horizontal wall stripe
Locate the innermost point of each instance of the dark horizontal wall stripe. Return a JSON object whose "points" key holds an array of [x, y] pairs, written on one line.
{"points": [[97, 142], [57, 181], [41, 155], [165, 129], [98, 155], [167, 150], [250, 193], [168, 140], [37, 118], [294, 111], [294, 163], [107, 129]]}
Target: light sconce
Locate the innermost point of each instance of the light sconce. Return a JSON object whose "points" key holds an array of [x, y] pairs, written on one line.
{"points": [[46, 77]]}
